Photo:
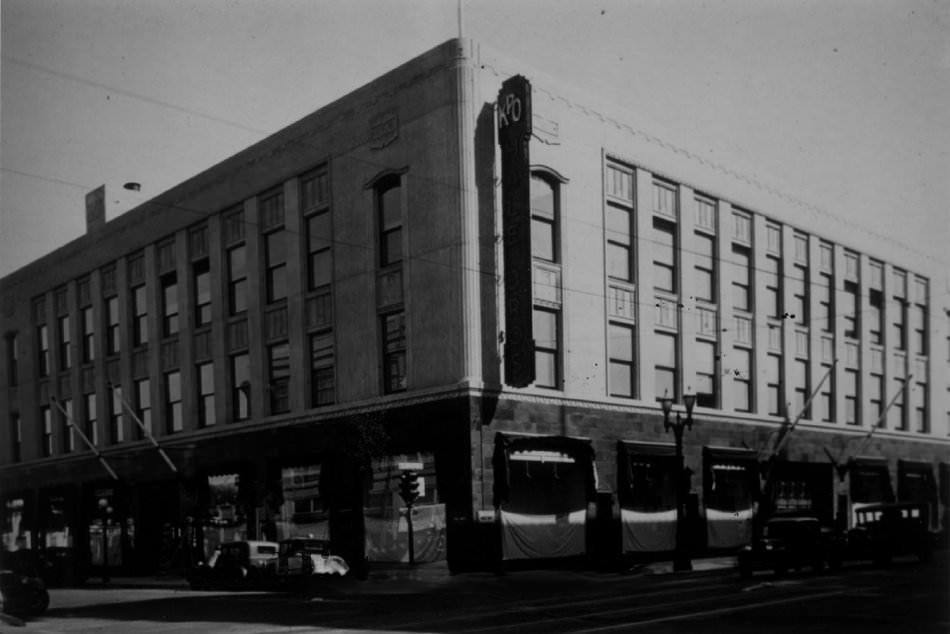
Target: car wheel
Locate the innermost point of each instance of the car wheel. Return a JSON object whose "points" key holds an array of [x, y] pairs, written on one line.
{"points": [[39, 603], [818, 566], [781, 571], [745, 570]]}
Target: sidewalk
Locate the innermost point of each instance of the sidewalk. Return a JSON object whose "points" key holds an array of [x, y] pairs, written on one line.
{"points": [[395, 579]]}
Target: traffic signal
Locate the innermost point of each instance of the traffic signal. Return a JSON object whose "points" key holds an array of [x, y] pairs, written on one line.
{"points": [[409, 487]]}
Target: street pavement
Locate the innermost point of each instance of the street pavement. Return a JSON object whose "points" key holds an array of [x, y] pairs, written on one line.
{"points": [[861, 599]]}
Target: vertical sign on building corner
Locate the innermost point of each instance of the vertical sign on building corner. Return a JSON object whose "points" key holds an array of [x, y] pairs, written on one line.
{"points": [[514, 135]]}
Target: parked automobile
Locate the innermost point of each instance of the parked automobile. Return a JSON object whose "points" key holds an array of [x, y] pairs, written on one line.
{"points": [[884, 531], [789, 542], [22, 591], [236, 565], [302, 559]]}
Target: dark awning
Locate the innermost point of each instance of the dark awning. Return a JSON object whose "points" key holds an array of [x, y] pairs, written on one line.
{"points": [[870, 480], [915, 482], [654, 489], [579, 449], [637, 448], [730, 455]]}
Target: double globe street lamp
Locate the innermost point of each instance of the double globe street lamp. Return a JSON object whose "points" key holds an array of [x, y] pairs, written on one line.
{"points": [[681, 560]]}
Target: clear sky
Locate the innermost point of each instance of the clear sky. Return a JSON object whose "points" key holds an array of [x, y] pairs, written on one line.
{"points": [[844, 104]]}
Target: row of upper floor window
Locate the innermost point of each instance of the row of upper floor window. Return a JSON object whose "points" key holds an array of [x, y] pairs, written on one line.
{"points": [[786, 286], [85, 316], [906, 327], [131, 417]]}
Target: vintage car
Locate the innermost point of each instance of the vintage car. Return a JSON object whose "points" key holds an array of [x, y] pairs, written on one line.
{"points": [[22, 591], [884, 531], [789, 542], [301, 559], [240, 564]]}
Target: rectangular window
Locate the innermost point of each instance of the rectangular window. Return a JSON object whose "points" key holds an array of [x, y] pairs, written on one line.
{"points": [[898, 311], [742, 227], [42, 340], [272, 210], [826, 257], [65, 347], [773, 287], [826, 403], [801, 249], [322, 375], [174, 421], [706, 385], [849, 312], [202, 273], [921, 424], [920, 329], [394, 352], [275, 254], [279, 377], [800, 300], [143, 406], [897, 415], [876, 316], [664, 199], [169, 304], [241, 386], [69, 442], [619, 183], [314, 190], [741, 372], [543, 220], [16, 437], [705, 267], [664, 255], [92, 426], [742, 278], [319, 262], [620, 352], [389, 208], [851, 413], [88, 326], [237, 279], [47, 440], [619, 243], [116, 419], [773, 374], [851, 267], [205, 374], [801, 386], [547, 357], [667, 384], [875, 388], [826, 311], [139, 316], [112, 327], [706, 214], [773, 239]]}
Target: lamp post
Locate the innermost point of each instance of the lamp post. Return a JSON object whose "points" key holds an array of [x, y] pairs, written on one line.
{"points": [[105, 513], [681, 560]]}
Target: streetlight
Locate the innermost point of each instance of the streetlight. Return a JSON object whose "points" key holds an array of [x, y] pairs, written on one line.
{"points": [[105, 513], [681, 559]]}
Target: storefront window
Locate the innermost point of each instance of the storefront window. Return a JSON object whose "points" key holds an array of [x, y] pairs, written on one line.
{"points": [[16, 536], [385, 512], [226, 521], [302, 513]]}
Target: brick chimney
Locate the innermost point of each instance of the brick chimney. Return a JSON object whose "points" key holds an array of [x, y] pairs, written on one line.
{"points": [[96, 209]]}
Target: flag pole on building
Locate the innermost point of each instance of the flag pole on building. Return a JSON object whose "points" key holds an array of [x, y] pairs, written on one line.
{"points": [[75, 427], [145, 429]]}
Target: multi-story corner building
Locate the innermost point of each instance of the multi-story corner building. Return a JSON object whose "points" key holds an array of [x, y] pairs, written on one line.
{"points": [[497, 285]]}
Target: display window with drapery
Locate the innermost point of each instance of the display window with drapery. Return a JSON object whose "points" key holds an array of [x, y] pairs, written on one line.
{"points": [[730, 493], [803, 487], [916, 483], [646, 490], [384, 512], [225, 517], [543, 485], [302, 512], [869, 483], [17, 535]]}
